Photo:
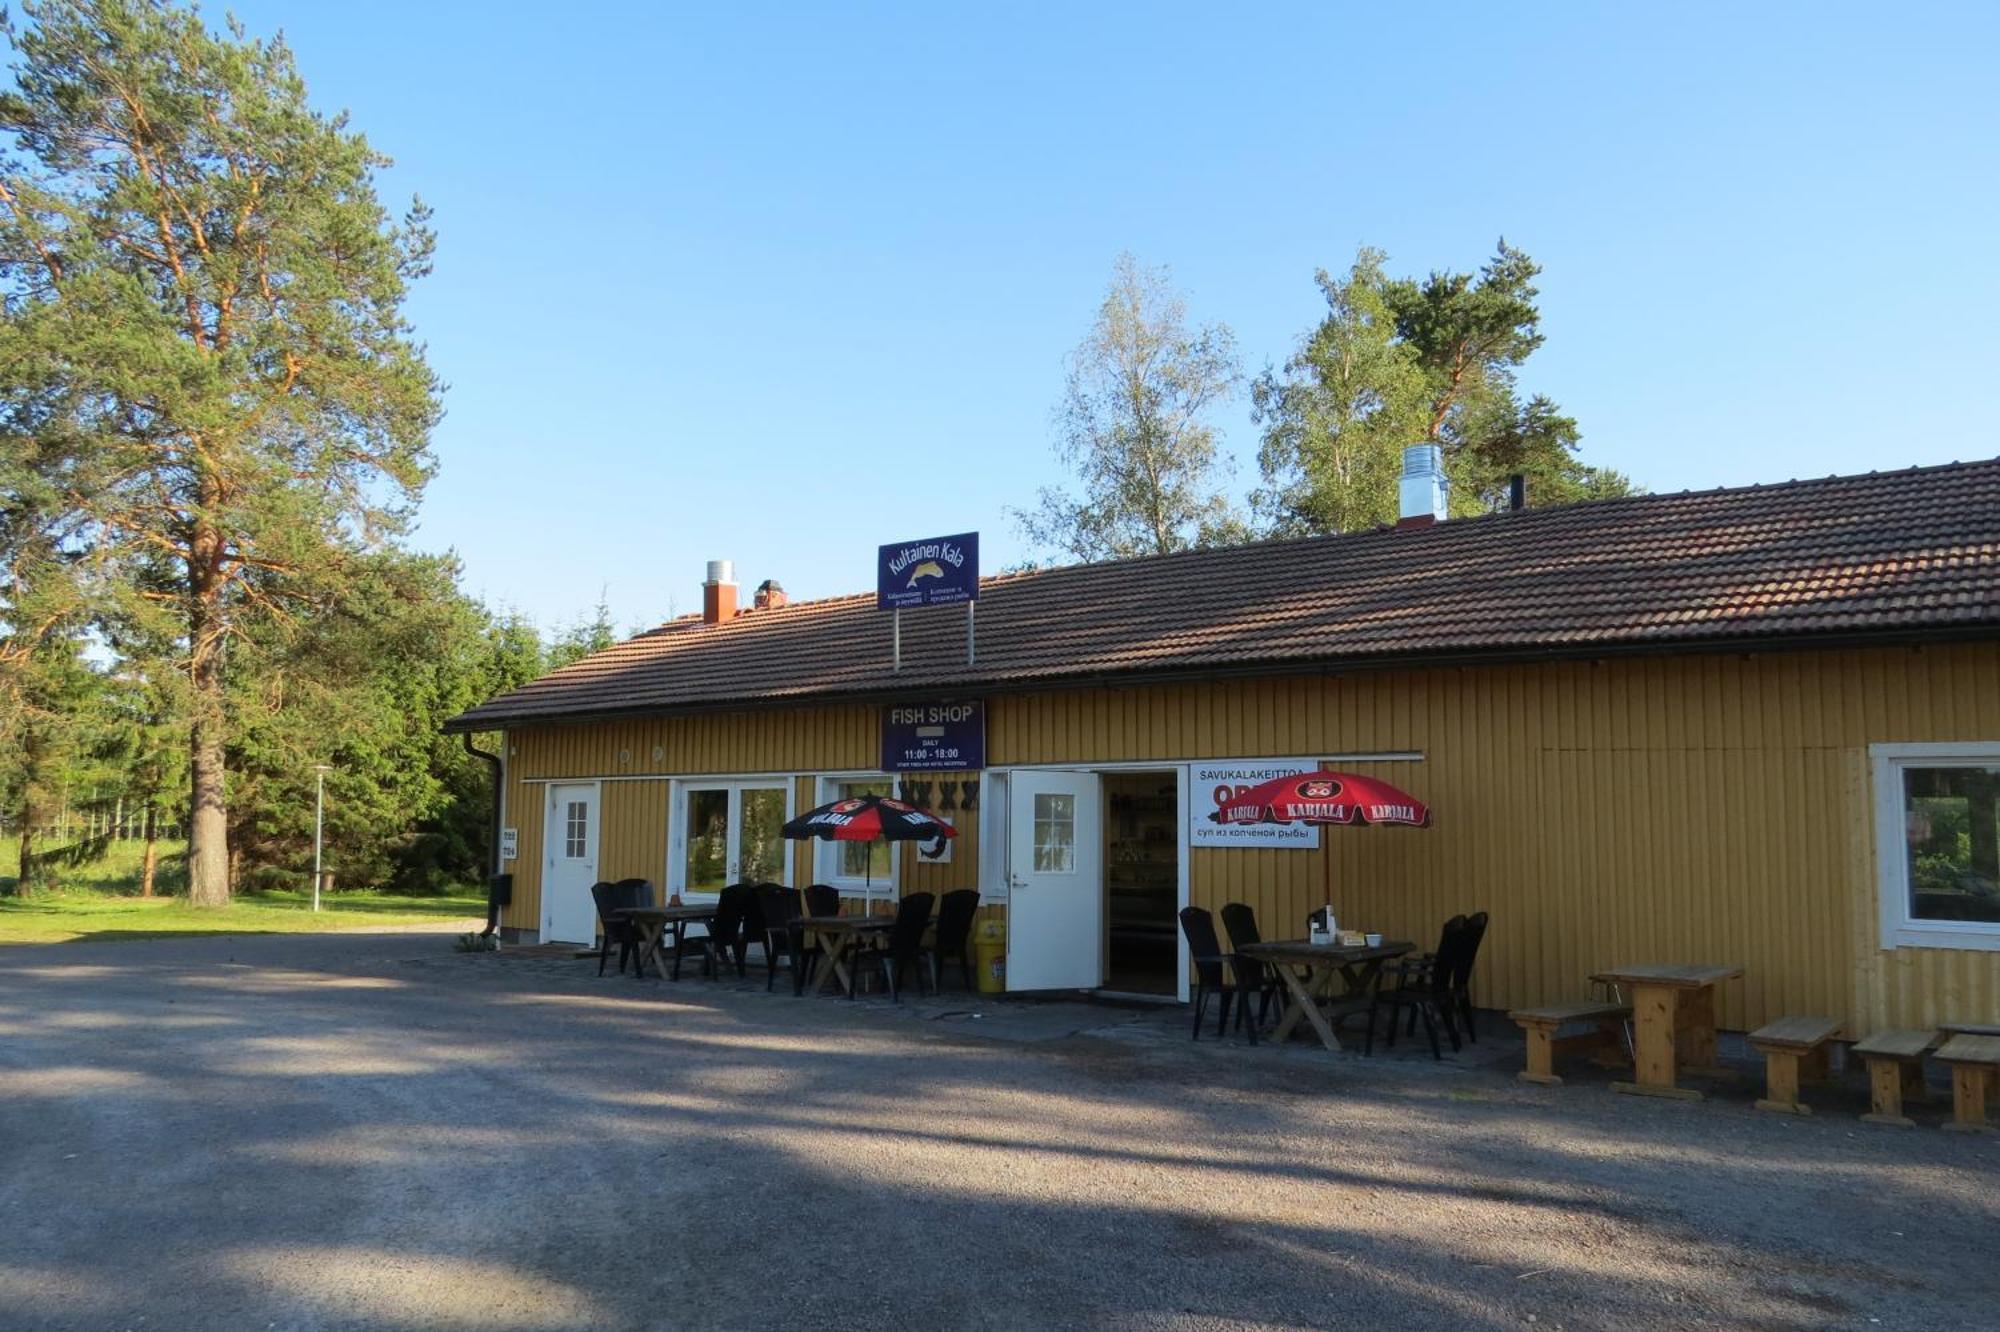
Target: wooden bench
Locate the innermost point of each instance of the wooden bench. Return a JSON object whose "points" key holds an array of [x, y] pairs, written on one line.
{"points": [[1895, 1070], [1541, 1025], [1975, 1069], [1787, 1044], [1969, 1029]]}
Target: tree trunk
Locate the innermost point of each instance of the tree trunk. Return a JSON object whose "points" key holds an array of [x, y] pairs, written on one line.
{"points": [[152, 860], [208, 820], [34, 809]]}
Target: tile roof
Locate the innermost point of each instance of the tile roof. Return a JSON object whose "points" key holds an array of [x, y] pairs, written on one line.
{"points": [[1912, 553]]}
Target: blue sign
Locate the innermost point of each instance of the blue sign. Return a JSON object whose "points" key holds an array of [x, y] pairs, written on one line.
{"points": [[934, 737], [936, 571]]}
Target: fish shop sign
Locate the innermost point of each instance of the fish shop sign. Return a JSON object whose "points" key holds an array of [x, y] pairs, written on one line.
{"points": [[934, 737], [935, 571]]}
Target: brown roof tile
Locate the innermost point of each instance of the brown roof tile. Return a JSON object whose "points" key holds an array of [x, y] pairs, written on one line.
{"points": [[1902, 553]]}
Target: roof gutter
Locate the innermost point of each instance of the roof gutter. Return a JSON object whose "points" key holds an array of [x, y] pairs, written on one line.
{"points": [[1258, 670], [498, 765]]}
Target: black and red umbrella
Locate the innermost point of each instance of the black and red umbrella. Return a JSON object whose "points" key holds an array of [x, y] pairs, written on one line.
{"points": [[1325, 799], [869, 818]]}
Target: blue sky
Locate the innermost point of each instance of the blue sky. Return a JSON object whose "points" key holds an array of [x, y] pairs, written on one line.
{"points": [[777, 285]]}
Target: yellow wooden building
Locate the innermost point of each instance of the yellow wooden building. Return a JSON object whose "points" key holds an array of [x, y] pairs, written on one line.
{"points": [[1755, 726]]}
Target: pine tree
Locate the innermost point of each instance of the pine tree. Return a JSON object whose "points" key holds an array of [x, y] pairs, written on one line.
{"points": [[205, 339]]}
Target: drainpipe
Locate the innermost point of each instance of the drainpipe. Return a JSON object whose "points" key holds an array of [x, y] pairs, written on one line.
{"points": [[493, 831]]}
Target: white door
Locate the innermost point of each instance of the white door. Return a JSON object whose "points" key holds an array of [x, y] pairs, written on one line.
{"points": [[569, 866], [1055, 906]]}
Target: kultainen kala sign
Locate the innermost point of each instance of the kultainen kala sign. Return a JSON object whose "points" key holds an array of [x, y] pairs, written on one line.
{"points": [[931, 571]]}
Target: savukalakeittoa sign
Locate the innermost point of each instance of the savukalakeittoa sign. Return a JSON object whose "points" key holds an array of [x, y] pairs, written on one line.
{"points": [[1213, 785]]}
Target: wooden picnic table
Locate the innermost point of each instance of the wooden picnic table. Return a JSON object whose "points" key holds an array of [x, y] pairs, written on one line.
{"points": [[839, 936], [653, 923], [1673, 1024], [1324, 982]]}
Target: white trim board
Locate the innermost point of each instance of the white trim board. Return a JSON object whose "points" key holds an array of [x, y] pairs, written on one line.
{"points": [[1117, 765], [1163, 764], [673, 777]]}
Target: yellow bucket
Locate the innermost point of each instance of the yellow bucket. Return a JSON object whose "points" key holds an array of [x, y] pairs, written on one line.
{"points": [[989, 955]]}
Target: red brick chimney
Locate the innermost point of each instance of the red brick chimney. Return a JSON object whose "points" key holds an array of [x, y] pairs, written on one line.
{"points": [[771, 595], [718, 593]]}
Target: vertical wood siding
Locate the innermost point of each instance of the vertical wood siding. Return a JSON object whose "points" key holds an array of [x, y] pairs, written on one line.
{"points": [[1697, 808], [634, 812], [632, 841]]}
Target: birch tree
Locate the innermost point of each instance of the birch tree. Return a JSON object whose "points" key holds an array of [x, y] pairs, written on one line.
{"points": [[1134, 427]]}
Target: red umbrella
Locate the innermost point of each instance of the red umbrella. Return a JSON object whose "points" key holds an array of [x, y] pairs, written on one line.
{"points": [[869, 818], [1323, 798], [1330, 798]]}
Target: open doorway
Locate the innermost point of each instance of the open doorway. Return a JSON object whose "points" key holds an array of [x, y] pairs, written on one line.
{"points": [[1141, 882]]}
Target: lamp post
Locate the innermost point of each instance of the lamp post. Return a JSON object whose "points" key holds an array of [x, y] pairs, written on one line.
{"points": [[319, 826]]}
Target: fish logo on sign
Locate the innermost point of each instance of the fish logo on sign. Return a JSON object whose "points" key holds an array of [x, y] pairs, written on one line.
{"points": [[928, 569]]}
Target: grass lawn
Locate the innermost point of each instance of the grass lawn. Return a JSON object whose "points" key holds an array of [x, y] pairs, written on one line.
{"points": [[100, 901]]}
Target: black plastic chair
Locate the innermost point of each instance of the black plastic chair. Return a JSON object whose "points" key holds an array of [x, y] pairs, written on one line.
{"points": [[821, 900], [610, 898], [954, 933], [1457, 978], [725, 924], [726, 941], [1256, 976], [1460, 981], [903, 951], [1422, 989], [779, 907], [1205, 951]]}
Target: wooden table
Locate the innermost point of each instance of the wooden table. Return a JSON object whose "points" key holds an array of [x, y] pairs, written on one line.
{"points": [[1673, 1024], [653, 923], [838, 937], [1311, 972]]}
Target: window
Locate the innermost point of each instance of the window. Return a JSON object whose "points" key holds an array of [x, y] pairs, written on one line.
{"points": [[576, 830], [868, 867], [706, 867], [760, 840], [729, 832], [1055, 833], [1937, 828]]}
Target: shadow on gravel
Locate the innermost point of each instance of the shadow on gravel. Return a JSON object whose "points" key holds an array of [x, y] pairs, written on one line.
{"points": [[461, 1142]]}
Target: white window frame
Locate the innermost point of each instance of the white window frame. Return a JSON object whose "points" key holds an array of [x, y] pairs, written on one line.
{"points": [[1892, 883], [993, 789], [826, 854], [677, 824]]}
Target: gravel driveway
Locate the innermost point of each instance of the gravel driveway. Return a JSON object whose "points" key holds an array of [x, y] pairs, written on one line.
{"points": [[372, 1131]]}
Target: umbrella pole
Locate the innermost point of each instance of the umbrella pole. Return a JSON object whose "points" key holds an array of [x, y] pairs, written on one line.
{"points": [[1326, 848]]}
